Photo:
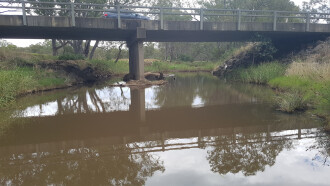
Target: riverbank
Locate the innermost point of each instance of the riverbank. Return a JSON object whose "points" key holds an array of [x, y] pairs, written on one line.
{"points": [[24, 73], [302, 83]]}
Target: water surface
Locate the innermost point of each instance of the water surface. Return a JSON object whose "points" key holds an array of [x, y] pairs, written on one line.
{"points": [[197, 130]]}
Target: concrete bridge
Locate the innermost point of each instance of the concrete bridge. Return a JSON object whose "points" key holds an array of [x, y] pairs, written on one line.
{"points": [[278, 25]]}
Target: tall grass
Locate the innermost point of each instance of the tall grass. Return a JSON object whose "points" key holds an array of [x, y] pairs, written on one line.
{"points": [[14, 82], [9, 58], [291, 101], [313, 71], [260, 74]]}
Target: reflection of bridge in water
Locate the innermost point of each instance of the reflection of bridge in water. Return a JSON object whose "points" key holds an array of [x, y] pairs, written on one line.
{"points": [[154, 130]]}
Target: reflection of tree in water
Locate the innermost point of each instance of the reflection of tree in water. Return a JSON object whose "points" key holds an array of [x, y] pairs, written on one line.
{"points": [[180, 93], [82, 166], [245, 153], [89, 100], [322, 145]]}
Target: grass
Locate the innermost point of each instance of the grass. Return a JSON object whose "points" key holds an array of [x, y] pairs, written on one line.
{"points": [[162, 66], [300, 84], [260, 74], [291, 101], [9, 58], [310, 70], [122, 66], [20, 80], [13, 83]]}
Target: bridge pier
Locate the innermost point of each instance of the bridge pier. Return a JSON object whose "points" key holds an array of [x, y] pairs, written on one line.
{"points": [[136, 54]]}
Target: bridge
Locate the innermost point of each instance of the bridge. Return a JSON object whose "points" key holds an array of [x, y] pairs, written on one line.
{"points": [[84, 22]]}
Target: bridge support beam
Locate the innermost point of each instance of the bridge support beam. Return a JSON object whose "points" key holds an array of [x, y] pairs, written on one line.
{"points": [[136, 55]]}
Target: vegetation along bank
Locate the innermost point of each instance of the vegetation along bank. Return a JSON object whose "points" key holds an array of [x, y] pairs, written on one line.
{"points": [[35, 68], [301, 80]]}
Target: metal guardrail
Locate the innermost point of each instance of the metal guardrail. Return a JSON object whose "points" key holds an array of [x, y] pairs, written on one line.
{"points": [[161, 14]]}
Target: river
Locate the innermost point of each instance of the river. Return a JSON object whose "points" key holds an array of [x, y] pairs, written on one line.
{"points": [[196, 130]]}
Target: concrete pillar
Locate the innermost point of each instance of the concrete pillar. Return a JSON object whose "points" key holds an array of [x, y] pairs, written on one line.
{"points": [[136, 60], [136, 54]]}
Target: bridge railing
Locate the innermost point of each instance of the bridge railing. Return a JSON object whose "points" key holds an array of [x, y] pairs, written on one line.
{"points": [[162, 14]]}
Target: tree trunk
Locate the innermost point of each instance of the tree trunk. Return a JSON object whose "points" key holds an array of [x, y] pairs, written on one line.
{"points": [[54, 47], [87, 47], [77, 46], [91, 55], [119, 52]]}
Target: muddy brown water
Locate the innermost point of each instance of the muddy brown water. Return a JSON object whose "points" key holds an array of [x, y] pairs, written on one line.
{"points": [[197, 130]]}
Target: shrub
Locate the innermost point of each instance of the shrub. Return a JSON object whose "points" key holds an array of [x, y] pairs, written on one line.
{"points": [[290, 102]]}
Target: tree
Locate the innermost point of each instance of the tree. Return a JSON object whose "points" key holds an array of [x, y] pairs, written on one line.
{"points": [[321, 6], [80, 47]]}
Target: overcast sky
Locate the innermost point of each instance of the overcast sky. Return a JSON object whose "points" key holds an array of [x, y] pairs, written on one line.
{"points": [[28, 42]]}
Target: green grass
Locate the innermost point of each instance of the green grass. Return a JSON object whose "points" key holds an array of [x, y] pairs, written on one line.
{"points": [[13, 83], [23, 80], [51, 81], [162, 66], [260, 74], [316, 93], [121, 67], [291, 101]]}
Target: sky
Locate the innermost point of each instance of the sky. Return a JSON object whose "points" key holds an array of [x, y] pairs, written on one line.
{"points": [[28, 42]]}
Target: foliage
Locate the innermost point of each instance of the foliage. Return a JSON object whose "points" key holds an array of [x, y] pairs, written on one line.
{"points": [[264, 49], [71, 57], [183, 57], [317, 6]]}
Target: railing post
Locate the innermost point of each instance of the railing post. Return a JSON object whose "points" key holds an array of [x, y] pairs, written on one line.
{"points": [[274, 21], [24, 13], [239, 14], [73, 19], [308, 19], [118, 16], [201, 17], [161, 18]]}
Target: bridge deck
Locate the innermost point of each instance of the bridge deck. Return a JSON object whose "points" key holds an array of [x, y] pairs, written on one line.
{"points": [[42, 27]]}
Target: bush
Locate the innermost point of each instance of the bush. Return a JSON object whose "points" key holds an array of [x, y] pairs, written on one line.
{"points": [[71, 57], [290, 102]]}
